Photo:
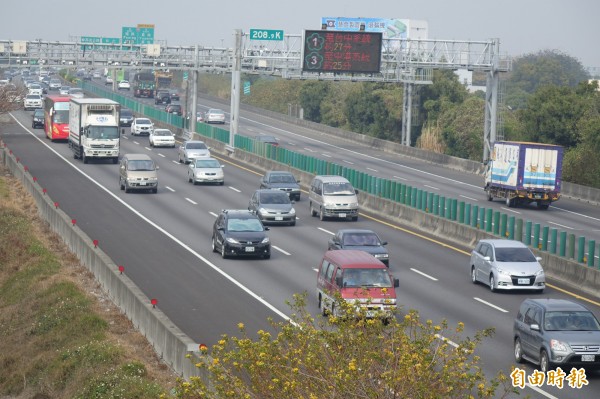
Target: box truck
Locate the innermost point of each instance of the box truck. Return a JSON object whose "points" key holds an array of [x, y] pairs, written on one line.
{"points": [[94, 128], [522, 173]]}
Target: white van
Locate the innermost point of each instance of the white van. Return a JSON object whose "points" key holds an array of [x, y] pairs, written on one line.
{"points": [[333, 197]]}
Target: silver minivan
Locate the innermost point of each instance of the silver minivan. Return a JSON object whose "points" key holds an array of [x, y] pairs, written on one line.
{"points": [[138, 172], [333, 197]]}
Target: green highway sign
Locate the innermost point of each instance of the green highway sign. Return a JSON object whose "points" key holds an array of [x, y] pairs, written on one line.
{"points": [[91, 40], [135, 35], [266, 34]]}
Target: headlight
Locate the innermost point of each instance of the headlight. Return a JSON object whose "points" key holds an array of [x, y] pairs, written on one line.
{"points": [[559, 346], [265, 240], [232, 240], [540, 272], [293, 211], [505, 272], [261, 210]]}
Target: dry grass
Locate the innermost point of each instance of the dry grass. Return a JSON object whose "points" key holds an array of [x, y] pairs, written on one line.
{"points": [[60, 335]]}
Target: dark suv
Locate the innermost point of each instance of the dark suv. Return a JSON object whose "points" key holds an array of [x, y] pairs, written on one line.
{"points": [[556, 332], [162, 97], [240, 233], [282, 180], [174, 109]]}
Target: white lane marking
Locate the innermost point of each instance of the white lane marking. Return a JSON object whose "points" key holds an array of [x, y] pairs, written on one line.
{"points": [[326, 155], [162, 230], [326, 231], [135, 142], [398, 177], [348, 162], [309, 150], [424, 274], [490, 305], [170, 189], [510, 210], [575, 213], [281, 250], [373, 170], [148, 148], [469, 198], [191, 201], [234, 189], [442, 338], [160, 155], [125, 137], [561, 225], [214, 214], [432, 187], [540, 391], [175, 162]]}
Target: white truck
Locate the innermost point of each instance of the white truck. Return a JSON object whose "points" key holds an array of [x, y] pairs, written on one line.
{"points": [[94, 128]]}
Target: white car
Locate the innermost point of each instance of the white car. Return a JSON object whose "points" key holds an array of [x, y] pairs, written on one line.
{"points": [[54, 84], [214, 115], [205, 170], [161, 138], [124, 85], [76, 92], [141, 127], [36, 89], [96, 75], [32, 101], [64, 90], [193, 149], [108, 80]]}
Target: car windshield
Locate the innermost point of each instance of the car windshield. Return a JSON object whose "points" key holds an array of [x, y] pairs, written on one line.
{"points": [[195, 146], [514, 255], [163, 133], [33, 96], [571, 321], [143, 122], [38, 113], [338, 189], [282, 179], [274, 198], [215, 112], [61, 116], [207, 163], [360, 239], [126, 113], [240, 225], [103, 132], [140, 165], [366, 278]]}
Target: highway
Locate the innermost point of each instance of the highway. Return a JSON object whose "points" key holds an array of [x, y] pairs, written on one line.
{"points": [[163, 241]]}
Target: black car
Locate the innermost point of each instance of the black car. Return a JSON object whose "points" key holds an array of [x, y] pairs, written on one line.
{"points": [[362, 240], [126, 117], [174, 96], [240, 233], [282, 180], [37, 118], [162, 97], [174, 109]]}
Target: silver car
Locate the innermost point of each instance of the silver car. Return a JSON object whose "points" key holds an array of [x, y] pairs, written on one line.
{"points": [[214, 115], [206, 170], [193, 149], [506, 265], [161, 138], [273, 207]]}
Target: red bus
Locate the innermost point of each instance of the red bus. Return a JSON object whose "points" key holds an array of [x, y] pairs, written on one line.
{"points": [[56, 117]]}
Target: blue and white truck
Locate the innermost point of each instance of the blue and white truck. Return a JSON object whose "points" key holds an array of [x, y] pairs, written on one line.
{"points": [[522, 173]]}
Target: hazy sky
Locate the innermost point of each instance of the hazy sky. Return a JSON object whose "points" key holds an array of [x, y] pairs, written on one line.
{"points": [[523, 26]]}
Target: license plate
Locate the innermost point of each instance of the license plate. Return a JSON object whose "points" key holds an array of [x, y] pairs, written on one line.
{"points": [[142, 183], [249, 249], [342, 215], [523, 281], [588, 358], [278, 218]]}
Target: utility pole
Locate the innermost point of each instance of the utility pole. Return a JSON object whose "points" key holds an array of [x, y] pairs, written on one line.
{"points": [[235, 90]]}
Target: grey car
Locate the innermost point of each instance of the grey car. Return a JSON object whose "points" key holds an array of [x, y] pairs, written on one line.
{"points": [[282, 180], [360, 239], [193, 149], [273, 207], [556, 332], [506, 265], [206, 170]]}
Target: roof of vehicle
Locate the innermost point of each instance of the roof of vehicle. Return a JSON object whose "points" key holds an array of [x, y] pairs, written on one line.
{"points": [[143, 120], [239, 214], [355, 231], [551, 304], [331, 178], [272, 191], [137, 157], [501, 243], [353, 259]]}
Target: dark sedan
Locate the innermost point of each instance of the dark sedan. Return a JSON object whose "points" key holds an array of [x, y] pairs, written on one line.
{"points": [[282, 180], [37, 118], [360, 239], [240, 233]]}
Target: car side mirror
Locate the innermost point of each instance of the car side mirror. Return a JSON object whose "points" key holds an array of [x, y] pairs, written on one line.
{"points": [[384, 243], [157, 167], [535, 327], [356, 191], [267, 228], [396, 283], [338, 281], [538, 258]]}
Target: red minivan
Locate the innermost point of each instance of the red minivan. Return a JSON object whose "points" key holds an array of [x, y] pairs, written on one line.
{"points": [[355, 276]]}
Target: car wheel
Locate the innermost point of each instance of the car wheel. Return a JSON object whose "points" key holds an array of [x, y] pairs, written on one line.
{"points": [[213, 244], [473, 275], [518, 351], [222, 183], [121, 186], [155, 190], [267, 256], [223, 251], [189, 178], [492, 283], [312, 210], [180, 161], [509, 202], [127, 189], [84, 158], [321, 214], [544, 362], [490, 197], [293, 223]]}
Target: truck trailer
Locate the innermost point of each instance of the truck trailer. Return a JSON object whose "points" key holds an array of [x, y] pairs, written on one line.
{"points": [[143, 84], [522, 173], [94, 128]]}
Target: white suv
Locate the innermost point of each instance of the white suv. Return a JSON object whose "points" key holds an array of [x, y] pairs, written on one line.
{"points": [[141, 127], [32, 101]]}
